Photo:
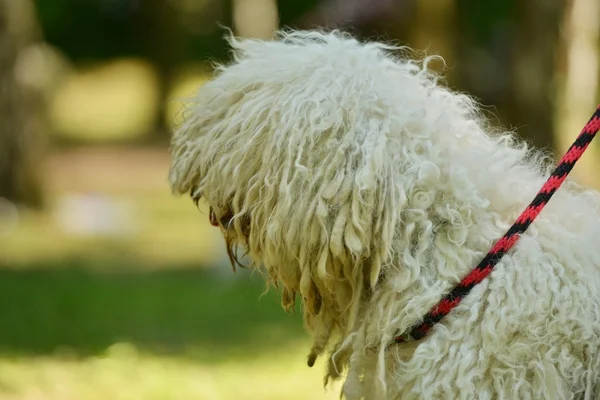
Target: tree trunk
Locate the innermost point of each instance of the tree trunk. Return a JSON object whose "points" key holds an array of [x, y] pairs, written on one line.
{"points": [[535, 52], [163, 38], [577, 72], [20, 107]]}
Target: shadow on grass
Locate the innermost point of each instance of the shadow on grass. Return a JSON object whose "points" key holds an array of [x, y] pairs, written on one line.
{"points": [[186, 311]]}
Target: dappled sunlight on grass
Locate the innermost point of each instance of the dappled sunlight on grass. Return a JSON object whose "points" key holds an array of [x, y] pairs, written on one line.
{"points": [[148, 335], [124, 373], [113, 101]]}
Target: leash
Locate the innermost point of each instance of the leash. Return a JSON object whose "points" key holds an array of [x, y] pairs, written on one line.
{"points": [[486, 266]]}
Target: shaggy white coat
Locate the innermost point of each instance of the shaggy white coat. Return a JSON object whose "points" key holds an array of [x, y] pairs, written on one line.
{"points": [[361, 185]]}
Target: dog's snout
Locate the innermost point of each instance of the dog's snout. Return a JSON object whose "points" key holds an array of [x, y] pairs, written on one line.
{"points": [[212, 217], [223, 221]]}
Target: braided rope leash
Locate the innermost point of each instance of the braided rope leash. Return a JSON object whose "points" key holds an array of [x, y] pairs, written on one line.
{"points": [[486, 266]]}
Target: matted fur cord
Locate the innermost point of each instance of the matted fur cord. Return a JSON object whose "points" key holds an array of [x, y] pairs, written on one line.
{"points": [[486, 266]]}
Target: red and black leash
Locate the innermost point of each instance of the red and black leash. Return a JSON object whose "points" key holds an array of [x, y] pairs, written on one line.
{"points": [[485, 267]]}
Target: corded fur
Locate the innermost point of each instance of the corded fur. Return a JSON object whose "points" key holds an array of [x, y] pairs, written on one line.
{"points": [[503, 246], [360, 184]]}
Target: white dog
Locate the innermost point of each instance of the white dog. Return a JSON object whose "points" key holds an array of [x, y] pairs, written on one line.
{"points": [[360, 184]]}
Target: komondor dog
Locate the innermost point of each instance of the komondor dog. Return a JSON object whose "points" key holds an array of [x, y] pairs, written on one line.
{"points": [[367, 190]]}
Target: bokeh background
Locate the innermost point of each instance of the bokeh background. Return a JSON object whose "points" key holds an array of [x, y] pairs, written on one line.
{"points": [[110, 288]]}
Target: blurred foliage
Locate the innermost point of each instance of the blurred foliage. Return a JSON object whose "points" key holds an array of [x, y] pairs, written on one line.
{"points": [[483, 42], [169, 34], [480, 20], [95, 30], [124, 101], [105, 29]]}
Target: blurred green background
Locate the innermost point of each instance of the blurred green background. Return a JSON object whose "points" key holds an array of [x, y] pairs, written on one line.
{"points": [[112, 288]]}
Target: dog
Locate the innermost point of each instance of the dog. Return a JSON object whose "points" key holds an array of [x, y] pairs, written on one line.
{"points": [[365, 188]]}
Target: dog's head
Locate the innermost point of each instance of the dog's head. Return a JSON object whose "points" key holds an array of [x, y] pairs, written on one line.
{"points": [[310, 151]]}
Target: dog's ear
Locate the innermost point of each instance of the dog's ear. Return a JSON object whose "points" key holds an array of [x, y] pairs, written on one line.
{"points": [[316, 173]]}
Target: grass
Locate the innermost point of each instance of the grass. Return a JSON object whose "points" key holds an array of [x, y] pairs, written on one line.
{"points": [[154, 314], [187, 311], [69, 333]]}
